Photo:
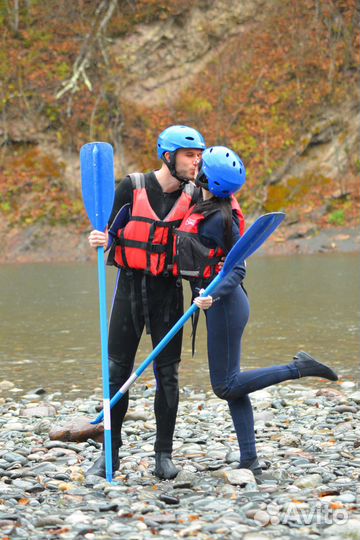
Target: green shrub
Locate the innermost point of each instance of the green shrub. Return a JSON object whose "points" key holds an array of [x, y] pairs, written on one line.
{"points": [[337, 217]]}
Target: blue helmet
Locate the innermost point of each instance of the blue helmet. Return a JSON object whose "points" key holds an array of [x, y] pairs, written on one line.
{"points": [[175, 137], [222, 171]]}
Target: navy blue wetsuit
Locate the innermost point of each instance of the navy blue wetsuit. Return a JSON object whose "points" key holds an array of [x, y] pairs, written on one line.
{"points": [[226, 321]]}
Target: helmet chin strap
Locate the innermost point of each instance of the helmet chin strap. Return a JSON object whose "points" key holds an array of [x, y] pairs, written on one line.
{"points": [[202, 181], [171, 165]]}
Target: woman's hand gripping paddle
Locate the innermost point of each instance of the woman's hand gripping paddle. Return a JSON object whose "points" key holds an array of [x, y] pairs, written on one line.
{"points": [[244, 247], [98, 190]]}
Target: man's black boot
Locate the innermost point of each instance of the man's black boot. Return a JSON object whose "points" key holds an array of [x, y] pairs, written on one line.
{"points": [[99, 469], [164, 467], [309, 367]]}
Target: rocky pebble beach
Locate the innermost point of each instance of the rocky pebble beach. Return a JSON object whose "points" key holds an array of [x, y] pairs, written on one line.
{"points": [[308, 439]]}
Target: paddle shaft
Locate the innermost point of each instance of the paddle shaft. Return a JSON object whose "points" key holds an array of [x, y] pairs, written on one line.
{"points": [[103, 322]]}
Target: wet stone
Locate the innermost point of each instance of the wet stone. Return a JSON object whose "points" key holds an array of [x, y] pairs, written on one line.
{"points": [[13, 457], [345, 409], [60, 444], [355, 396], [23, 484], [232, 457], [48, 521], [77, 430], [239, 477], [39, 411], [215, 465], [184, 479], [346, 498], [45, 467]]}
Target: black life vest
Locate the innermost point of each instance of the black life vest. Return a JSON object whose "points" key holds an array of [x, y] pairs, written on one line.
{"points": [[193, 260]]}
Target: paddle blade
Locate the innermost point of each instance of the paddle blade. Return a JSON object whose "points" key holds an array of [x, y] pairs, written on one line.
{"points": [[98, 182], [254, 237]]}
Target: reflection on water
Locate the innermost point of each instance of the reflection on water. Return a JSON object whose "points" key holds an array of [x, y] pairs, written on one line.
{"points": [[50, 329]]}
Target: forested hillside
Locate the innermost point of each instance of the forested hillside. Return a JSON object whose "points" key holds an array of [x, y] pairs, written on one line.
{"points": [[276, 81]]}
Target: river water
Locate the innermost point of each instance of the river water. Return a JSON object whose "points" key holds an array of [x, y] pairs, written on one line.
{"points": [[50, 321]]}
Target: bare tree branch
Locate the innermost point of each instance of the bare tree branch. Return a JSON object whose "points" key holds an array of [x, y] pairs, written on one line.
{"points": [[103, 14]]}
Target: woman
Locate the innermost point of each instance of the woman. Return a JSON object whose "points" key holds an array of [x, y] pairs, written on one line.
{"points": [[208, 231]]}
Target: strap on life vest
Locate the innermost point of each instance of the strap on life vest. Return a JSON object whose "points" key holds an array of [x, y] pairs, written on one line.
{"points": [[138, 182], [145, 303], [194, 323], [134, 313]]}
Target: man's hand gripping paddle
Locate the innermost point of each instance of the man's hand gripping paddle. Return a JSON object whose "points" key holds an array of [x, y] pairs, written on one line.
{"points": [[98, 190], [244, 247]]}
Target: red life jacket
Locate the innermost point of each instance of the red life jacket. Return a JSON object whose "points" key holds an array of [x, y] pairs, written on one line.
{"points": [[193, 260], [145, 243]]}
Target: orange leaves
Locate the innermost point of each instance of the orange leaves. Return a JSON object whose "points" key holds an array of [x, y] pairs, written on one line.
{"points": [[336, 505], [33, 189]]}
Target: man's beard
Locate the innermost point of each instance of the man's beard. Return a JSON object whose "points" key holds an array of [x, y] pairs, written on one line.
{"points": [[182, 173]]}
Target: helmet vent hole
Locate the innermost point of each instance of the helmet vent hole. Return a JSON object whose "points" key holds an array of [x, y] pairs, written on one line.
{"points": [[189, 138], [225, 191], [234, 164], [240, 170], [211, 150], [216, 183], [227, 155]]}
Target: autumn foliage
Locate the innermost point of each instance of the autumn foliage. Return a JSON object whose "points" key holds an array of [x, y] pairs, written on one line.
{"points": [[258, 96]]}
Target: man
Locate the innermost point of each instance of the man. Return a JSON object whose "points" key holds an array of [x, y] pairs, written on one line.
{"points": [[147, 294]]}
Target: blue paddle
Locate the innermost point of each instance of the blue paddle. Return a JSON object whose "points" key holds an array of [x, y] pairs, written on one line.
{"points": [[263, 227], [98, 190]]}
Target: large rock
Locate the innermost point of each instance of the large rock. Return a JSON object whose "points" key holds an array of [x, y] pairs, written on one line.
{"points": [[185, 479], [355, 396], [309, 481], [289, 439], [330, 393], [39, 412], [346, 530], [6, 385], [239, 477], [77, 430]]}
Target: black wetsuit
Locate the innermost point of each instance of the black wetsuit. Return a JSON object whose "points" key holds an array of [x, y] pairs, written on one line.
{"points": [[164, 300]]}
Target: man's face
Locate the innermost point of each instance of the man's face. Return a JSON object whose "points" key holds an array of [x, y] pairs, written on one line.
{"points": [[187, 160]]}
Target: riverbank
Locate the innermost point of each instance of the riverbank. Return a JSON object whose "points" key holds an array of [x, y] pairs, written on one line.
{"points": [[308, 437], [61, 244]]}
